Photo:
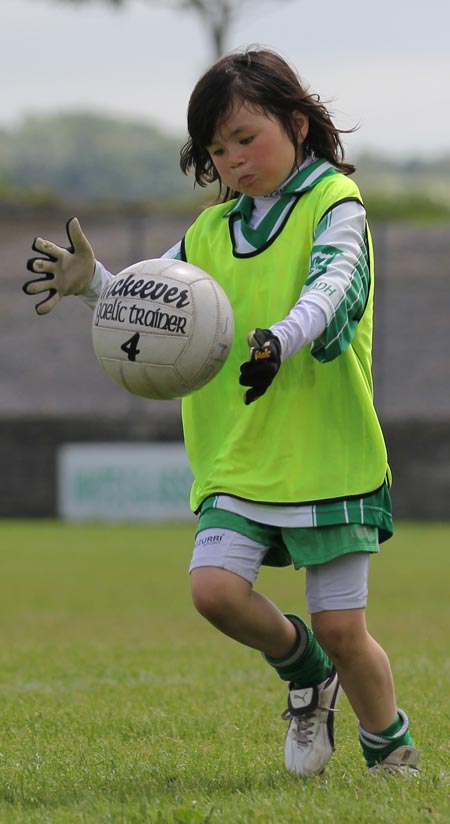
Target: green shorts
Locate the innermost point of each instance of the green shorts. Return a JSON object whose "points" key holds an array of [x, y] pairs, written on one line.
{"points": [[301, 546]]}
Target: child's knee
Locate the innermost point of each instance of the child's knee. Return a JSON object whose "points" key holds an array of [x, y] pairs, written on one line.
{"points": [[217, 593], [340, 633]]}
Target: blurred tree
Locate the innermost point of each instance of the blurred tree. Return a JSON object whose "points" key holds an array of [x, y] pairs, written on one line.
{"points": [[216, 15], [91, 157]]}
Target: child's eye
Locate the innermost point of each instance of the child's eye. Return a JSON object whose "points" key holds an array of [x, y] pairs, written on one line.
{"points": [[246, 140], [216, 152]]}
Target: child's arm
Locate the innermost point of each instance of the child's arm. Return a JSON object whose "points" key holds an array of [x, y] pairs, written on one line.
{"points": [[330, 304], [335, 293]]}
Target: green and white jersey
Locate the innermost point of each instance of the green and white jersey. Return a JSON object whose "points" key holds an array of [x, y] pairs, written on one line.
{"points": [[335, 294]]}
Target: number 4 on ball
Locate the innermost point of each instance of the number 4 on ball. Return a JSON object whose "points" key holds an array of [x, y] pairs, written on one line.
{"points": [[130, 347]]}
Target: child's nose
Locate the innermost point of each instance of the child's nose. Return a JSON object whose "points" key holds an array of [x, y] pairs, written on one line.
{"points": [[236, 157]]}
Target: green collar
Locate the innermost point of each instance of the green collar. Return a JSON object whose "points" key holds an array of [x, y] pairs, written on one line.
{"points": [[304, 180]]}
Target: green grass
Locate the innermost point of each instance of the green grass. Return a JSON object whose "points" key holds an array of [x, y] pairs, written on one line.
{"points": [[120, 705]]}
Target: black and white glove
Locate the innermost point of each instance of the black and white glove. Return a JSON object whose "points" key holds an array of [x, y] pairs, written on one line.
{"points": [[264, 363], [63, 271]]}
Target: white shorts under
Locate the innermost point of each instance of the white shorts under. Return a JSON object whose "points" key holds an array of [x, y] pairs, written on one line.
{"points": [[337, 584]]}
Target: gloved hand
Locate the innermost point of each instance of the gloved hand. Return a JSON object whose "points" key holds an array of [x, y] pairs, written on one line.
{"points": [[63, 271], [264, 363]]}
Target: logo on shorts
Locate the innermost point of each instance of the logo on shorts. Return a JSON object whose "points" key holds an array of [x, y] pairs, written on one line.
{"points": [[207, 540], [362, 532]]}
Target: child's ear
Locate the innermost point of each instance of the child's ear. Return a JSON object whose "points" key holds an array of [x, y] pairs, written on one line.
{"points": [[302, 121]]}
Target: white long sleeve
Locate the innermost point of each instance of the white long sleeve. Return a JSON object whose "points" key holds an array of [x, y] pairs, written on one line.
{"points": [[102, 277], [303, 325], [336, 289]]}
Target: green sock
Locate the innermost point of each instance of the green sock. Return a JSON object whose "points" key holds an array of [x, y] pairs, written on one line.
{"points": [[376, 746], [307, 664]]}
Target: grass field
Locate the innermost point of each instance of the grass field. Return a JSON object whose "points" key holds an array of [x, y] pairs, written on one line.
{"points": [[120, 705]]}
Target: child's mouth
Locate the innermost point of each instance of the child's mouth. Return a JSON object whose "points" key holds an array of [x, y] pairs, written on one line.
{"points": [[245, 180]]}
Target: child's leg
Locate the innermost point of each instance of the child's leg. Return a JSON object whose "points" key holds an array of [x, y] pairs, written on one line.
{"points": [[223, 593], [362, 665], [229, 602], [224, 567]]}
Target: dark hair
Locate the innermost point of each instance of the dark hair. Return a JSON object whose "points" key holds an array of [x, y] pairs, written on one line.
{"points": [[262, 78]]}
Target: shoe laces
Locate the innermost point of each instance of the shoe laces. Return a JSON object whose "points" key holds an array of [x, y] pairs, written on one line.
{"points": [[302, 729], [303, 726]]}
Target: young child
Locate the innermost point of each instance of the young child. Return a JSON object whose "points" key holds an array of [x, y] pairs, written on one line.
{"points": [[296, 470]]}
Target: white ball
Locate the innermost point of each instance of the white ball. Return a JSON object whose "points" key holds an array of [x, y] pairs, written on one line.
{"points": [[162, 328]]}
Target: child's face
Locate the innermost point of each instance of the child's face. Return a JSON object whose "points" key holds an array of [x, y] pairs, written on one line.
{"points": [[251, 151]]}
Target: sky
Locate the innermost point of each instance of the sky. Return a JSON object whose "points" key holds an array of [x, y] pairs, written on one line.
{"points": [[384, 65]]}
